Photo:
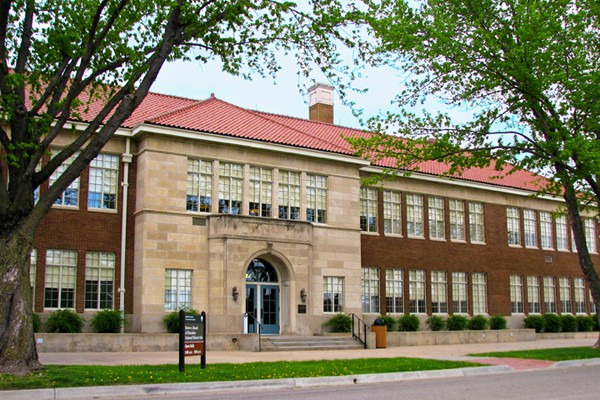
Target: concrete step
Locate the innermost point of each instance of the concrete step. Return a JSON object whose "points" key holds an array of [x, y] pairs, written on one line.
{"points": [[296, 343]]}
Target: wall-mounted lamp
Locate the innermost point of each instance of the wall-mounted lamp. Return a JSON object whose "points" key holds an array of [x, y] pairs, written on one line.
{"points": [[234, 293], [303, 295]]}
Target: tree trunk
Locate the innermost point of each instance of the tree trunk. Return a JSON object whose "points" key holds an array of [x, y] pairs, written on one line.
{"points": [[18, 354]]}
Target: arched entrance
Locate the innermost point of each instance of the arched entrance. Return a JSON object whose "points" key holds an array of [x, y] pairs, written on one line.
{"points": [[262, 297]]}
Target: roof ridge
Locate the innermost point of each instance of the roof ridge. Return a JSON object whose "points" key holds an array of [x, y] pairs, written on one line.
{"points": [[309, 120]]}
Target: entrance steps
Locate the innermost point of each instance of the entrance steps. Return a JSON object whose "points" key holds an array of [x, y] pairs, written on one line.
{"points": [[297, 343]]}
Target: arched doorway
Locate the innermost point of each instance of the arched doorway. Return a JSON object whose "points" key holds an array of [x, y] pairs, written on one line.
{"points": [[262, 297]]}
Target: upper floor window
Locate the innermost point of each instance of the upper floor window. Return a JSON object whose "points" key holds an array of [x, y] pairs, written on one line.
{"points": [[590, 235], [370, 290], [476, 223], [60, 283], [561, 233], [104, 174], [513, 226], [436, 218], [316, 198], [529, 224], [392, 216], [289, 195], [70, 197], [546, 230], [368, 210], [199, 185], [231, 183], [261, 191], [457, 219], [414, 215], [99, 280]]}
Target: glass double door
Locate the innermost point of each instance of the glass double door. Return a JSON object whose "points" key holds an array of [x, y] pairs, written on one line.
{"points": [[262, 306]]}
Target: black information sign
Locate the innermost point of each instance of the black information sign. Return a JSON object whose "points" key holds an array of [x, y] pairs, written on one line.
{"points": [[192, 338]]}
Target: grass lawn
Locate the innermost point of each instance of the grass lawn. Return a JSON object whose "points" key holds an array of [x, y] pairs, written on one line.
{"points": [[562, 354], [83, 375]]}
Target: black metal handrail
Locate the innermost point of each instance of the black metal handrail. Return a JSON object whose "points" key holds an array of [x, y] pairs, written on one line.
{"points": [[259, 328], [359, 329]]}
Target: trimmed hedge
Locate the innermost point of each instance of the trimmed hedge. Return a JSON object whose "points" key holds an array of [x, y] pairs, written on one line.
{"points": [[553, 323], [479, 323], [64, 321], [569, 323], [339, 323], [457, 323], [436, 323], [171, 320], [409, 323], [536, 322], [107, 321], [390, 322], [584, 323], [498, 322]]}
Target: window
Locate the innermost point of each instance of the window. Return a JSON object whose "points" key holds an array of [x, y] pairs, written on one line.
{"points": [[368, 210], [439, 292], [289, 195], [476, 224], [61, 272], [370, 290], [561, 233], [416, 292], [590, 235], [316, 198], [261, 191], [550, 294], [479, 281], [199, 185], [333, 294], [231, 182], [394, 291], [414, 215], [546, 230], [70, 197], [516, 294], [436, 218], [99, 280], [460, 297], [513, 226], [32, 274], [104, 174], [564, 295], [529, 223], [579, 287], [592, 305], [457, 219], [392, 216], [533, 295], [178, 289]]}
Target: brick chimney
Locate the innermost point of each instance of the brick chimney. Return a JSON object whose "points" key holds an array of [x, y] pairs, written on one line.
{"points": [[321, 103]]}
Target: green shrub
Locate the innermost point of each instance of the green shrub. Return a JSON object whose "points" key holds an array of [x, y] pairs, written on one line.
{"points": [[339, 323], [553, 323], [390, 322], [171, 320], [436, 323], [536, 322], [107, 321], [479, 323], [585, 323], [498, 322], [569, 323], [595, 319], [64, 321], [457, 323], [37, 322], [409, 323]]}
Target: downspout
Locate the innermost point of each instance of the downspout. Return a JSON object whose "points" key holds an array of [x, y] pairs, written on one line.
{"points": [[126, 158]]}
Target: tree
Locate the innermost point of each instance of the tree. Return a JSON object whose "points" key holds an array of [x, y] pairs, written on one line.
{"points": [[530, 70], [94, 61]]}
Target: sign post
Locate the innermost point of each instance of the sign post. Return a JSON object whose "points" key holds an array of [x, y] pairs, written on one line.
{"points": [[192, 338]]}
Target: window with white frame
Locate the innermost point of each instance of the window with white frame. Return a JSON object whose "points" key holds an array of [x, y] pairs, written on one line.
{"points": [[590, 235], [368, 209], [178, 289], [513, 226], [261, 191], [579, 293], [529, 228], [231, 184], [439, 292], [392, 212], [533, 295], [457, 219], [550, 294], [370, 290], [394, 291], [592, 305], [316, 198], [479, 287], [436, 218], [333, 294], [476, 222], [564, 295], [516, 294], [546, 230], [61, 277], [414, 215], [289, 195], [70, 197], [416, 292], [199, 185], [99, 280], [460, 296], [103, 185], [32, 274], [560, 223]]}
